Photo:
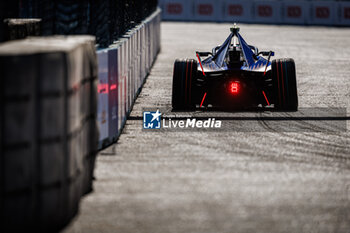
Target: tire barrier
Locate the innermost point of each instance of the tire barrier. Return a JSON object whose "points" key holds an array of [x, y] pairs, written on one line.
{"points": [[48, 130], [21, 28], [302, 12], [122, 70]]}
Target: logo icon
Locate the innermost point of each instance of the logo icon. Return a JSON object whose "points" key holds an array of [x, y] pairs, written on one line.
{"points": [[151, 120]]}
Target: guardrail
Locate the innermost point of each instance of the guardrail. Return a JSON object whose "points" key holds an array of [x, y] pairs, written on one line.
{"points": [[302, 12], [123, 68]]}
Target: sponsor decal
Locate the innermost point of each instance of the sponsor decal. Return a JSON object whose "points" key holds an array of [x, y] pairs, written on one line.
{"points": [[347, 12], [265, 11], [322, 12], [294, 11], [205, 9], [235, 10], [174, 8]]}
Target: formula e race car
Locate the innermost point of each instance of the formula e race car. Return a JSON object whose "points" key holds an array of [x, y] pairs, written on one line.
{"points": [[235, 75]]}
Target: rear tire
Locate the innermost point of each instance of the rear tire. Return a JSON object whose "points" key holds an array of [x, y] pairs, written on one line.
{"points": [[184, 78], [284, 84]]}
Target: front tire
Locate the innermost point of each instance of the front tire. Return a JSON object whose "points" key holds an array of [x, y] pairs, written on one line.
{"points": [[184, 78], [284, 84]]}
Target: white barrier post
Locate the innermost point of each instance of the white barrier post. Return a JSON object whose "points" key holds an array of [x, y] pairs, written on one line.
{"points": [[119, 86], [148, 59], [122, 81], [126, 77]]}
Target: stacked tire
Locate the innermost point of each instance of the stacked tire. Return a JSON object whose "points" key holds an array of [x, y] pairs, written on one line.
{"points": [[284, 85], [184, 79]]}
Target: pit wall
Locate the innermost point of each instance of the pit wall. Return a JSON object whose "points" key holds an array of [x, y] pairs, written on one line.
{"points": [[122, 70], [299, 12]]}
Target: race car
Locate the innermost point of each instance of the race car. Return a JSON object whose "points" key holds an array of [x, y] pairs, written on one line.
{"points": [[235, 75]]}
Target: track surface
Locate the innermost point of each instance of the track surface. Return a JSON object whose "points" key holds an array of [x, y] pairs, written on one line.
{"points": [[231, 181]]}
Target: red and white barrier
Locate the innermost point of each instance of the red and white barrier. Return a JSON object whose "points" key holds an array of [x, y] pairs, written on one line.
{"points": [[267, 11], [295, 12], [238, 11], [323, 13]]}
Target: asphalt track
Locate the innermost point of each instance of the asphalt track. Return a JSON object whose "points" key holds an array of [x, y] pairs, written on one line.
{"points": [[262, 179]]}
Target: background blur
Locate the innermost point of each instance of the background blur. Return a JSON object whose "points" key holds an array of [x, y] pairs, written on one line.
{"points": [[108, 20], [302, 12]]}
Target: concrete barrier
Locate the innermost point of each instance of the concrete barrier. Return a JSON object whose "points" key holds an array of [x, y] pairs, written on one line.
{"points": [[113, 94], [48, 130], [123, 68], [21, 28], [103, 88]]}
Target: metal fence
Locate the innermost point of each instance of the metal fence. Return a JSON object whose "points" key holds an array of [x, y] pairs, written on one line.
{"points": [[106, 19]]}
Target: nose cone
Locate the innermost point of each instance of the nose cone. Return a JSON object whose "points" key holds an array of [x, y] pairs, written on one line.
{"points": [[234, 29]]}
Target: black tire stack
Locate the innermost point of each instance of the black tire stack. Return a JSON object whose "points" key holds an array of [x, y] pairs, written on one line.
{"points": [[284, 85], [184, 78]]}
